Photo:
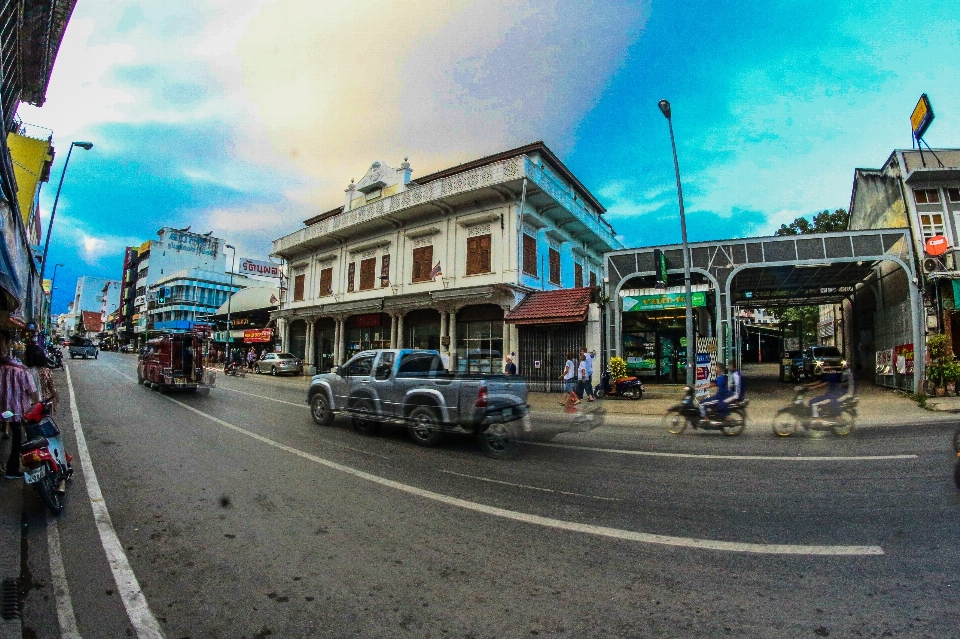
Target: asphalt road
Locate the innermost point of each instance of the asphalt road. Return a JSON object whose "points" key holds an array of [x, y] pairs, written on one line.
{"points": [[238, 517]]}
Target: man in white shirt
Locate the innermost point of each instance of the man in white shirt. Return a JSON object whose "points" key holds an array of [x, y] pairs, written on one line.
{"points": [[588, 384]]}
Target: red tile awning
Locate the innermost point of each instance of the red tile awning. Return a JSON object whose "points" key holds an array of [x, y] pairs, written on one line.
{"points": [[564, 306]]}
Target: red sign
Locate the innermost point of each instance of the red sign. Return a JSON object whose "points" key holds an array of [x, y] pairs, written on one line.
{"points": [[936, 245], [257, 335], [366, 321], [903, 359]]}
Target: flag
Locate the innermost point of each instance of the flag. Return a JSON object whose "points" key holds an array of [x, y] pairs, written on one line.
{"points": [[273, 299], [435, 272]]}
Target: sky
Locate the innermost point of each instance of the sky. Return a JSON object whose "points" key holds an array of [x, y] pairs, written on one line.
{"points": [[246, 117]]}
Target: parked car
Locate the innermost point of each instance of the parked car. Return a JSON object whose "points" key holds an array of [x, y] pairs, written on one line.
{"points": [[83, 348], [278, 364], [820, 360], [411, 388]]}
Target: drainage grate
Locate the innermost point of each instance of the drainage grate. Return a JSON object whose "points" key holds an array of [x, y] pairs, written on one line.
{"points": [[10, 606]]}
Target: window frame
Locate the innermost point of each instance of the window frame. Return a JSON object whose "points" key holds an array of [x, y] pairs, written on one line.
{"points": [[926, 193], [551, 252], [577, 275], [326, 276], [476, 265], [421, 267], [368, 274], [531, 259], [299, 286]]}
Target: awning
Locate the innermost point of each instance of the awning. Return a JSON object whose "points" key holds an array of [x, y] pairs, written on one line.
{"points": [[564, 306]]}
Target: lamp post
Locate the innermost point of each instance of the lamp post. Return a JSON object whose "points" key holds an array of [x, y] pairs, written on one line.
{"points": [[233, 262], [46, 246], [691, 357]]}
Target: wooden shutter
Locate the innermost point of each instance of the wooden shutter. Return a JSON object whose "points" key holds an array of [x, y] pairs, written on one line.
{"points": [[351, 275], [298, 283], [368, 272], [484, 253], [422, 263], [473, 255], [577, 275], [529, 255], [384, 270], [326, 281], [554, 266], [593, 279]]}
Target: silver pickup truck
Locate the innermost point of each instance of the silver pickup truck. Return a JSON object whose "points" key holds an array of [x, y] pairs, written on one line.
{"points": [[412, 389]]}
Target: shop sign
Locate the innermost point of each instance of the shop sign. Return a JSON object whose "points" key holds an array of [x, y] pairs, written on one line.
{"points": [[257, 335], [885, 362], [903, 359], [663, 301], [921, 117], [259, 267], [701, 388], [366, 321]]}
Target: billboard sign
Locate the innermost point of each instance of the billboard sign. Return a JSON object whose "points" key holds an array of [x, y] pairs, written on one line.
{"points": [[663, 301], [903, 359], [921, 117], [258, 267], [257, 335]]}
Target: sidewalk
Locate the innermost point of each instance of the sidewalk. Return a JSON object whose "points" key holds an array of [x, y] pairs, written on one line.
{"points": [[11, 505]]}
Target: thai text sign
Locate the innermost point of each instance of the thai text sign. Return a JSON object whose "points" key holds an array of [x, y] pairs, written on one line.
{"points": [[663, 301], [257, 335], [885, 362], [903, 359], [921, 117], [258, 267]]}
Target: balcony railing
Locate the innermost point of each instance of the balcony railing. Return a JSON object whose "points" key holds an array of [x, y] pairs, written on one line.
{"points": [[497, 173]]}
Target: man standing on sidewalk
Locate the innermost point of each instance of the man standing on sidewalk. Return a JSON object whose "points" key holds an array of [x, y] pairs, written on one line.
{"points": [[586, 387], [18, 393]]}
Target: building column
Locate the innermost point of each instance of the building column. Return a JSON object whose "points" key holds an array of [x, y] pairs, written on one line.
{"points": [[281, 333], [393, 331], [308, 355], [443, 332], [338, 343], [400, 331], [452, 329]]}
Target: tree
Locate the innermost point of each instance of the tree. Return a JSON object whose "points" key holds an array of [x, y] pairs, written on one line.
{"points": [[823, 222]]}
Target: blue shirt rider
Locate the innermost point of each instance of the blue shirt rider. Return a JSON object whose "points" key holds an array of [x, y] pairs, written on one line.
{"points": [[717, 399]]}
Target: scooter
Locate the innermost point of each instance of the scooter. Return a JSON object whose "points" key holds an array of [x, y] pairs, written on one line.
{"points": [[626, 387], [236, 368], [687, 413], [55, 355], [840, 417], [46, 465]]}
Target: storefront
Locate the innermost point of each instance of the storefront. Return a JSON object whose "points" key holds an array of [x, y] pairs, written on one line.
{"points": [[653, 339], [421, 329], [365, 332], [479, 339], [324, 341]]}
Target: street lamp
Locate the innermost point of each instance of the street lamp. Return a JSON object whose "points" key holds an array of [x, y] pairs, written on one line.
{"points": [[43, 260], [233, 262], [691, 357]]}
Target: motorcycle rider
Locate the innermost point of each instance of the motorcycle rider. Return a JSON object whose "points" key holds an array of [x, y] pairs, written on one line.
{"points": [[735, 382], [717, 400], [829, 400]]}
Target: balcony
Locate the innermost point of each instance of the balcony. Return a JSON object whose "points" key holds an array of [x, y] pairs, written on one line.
{"points": [[506, 171]]}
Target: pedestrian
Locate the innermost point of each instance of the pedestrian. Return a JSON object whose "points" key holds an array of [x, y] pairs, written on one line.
{"points": [[251, 358], [39, 366], [587, 387], [569, 377], [18, 393], [510, 368], [583, 381]]}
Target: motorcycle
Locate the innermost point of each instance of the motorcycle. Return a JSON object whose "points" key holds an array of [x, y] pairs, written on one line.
{"points": [[840, 416], [687, 413], [626, 387], [46, 465], [55, 355], [235, 368]]}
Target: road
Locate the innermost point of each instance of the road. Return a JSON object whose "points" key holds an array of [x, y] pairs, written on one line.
{"points": [[233, 515]]}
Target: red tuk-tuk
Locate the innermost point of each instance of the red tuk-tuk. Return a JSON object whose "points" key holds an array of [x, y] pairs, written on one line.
{"points": [[171, 361]]}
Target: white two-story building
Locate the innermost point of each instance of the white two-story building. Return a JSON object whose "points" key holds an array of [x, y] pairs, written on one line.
{"points": [[443, 262]]}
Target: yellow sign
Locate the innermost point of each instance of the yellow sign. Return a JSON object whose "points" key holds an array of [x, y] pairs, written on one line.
{"points": [[922, 116]]}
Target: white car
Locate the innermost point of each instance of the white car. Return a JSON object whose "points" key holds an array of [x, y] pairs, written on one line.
{"points": [[278, 364]]}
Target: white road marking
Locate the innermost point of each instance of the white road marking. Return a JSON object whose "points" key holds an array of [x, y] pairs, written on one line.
{"points": [[546, 490], [650, 453], [604, 531], [61, 590], [279, 401], [138, 610]]}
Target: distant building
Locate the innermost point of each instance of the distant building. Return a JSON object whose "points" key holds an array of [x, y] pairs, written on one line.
{"points": [[191, 296], [90, 296], [440, 262], [90, 324]]}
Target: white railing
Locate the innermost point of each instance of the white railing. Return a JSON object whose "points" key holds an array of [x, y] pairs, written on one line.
{"points": [[497, 173]]}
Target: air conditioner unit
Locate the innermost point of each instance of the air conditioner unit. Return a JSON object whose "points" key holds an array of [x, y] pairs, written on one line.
{"points": [[931, 264]]}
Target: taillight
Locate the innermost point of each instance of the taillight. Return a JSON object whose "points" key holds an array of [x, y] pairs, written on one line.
{"points": [[32, 457], [482, 397]]}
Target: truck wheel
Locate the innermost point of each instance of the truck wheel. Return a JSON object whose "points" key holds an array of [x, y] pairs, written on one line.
{"points": [[424, 428], [365, 423], [320, 409], [500, 441]]}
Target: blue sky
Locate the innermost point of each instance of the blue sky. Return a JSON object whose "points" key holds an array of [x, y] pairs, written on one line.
{"points": [[245, 117]]}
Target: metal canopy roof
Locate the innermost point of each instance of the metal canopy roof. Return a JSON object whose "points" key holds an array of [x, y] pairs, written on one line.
{"points": [[800, 284]]}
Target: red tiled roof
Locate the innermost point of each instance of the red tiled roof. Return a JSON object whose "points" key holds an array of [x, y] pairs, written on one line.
{"points": [[91, 322], [552, 307]]}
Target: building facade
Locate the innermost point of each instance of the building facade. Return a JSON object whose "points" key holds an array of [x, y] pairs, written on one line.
{"points": [[90, 296], [439, 261], [190, 296]]}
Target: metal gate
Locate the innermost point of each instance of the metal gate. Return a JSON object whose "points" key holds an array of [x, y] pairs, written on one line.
{"points": [[548, 345], [298, 339]]}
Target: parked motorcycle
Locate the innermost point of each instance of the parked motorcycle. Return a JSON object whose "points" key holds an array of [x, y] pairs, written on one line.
{"points": [[840, 417], [626, 387], [235, 368], [687, 413], [46, 465], [55, 355]]}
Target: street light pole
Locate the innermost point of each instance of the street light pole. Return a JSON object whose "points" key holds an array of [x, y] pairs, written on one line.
{"points": [[233, 262], [691, 357], [46, 246]]}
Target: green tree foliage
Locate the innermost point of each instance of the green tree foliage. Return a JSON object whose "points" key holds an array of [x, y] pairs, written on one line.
{"points": [[798, 320], [823, 222]]}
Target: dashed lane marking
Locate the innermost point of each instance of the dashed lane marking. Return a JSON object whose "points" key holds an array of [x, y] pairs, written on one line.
{"points": [[651, 453]]}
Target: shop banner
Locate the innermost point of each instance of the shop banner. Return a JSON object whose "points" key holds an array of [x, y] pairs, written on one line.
{"points": [[885, 362], [903, 359], [259, 267], [257, 335], [704, 362], [663, 301]]}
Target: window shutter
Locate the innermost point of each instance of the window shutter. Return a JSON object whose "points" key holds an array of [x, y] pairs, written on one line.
{"points": [[473, 255], [529, 255], [484, 254], [422, 263], [593, 278], [554, 266], [351, 276], [384, 270], [298, 283], [326, 281], [368, 271], [577, 275]]}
